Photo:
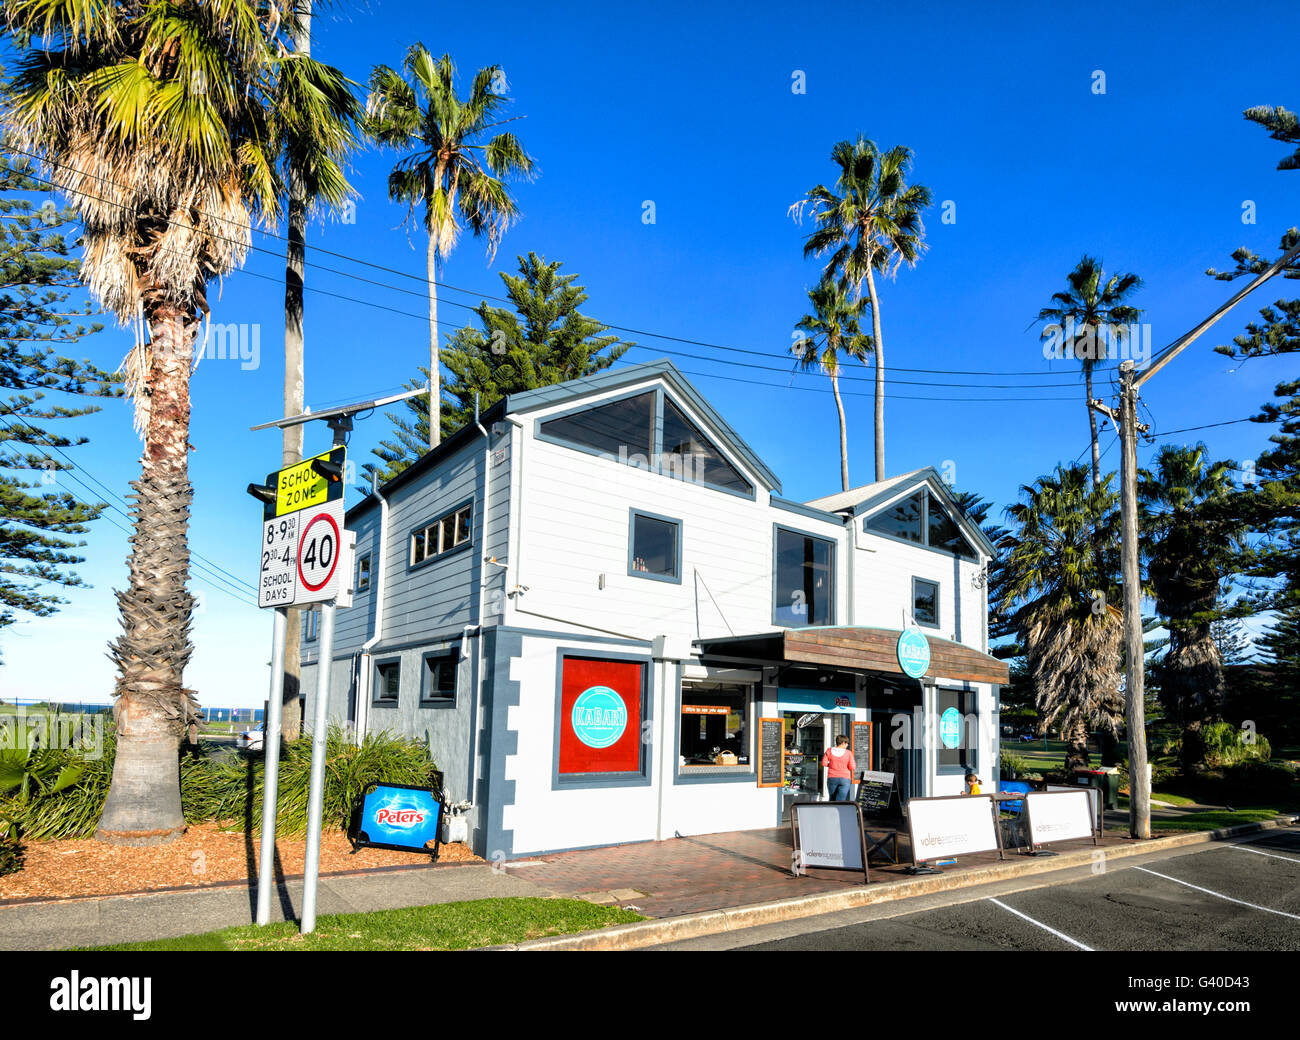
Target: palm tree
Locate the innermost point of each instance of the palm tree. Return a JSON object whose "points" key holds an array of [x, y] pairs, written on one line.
{"points": [[164, 123], [453, 171], [1089, 311], [870, 222], [1054, 587], [1191, 538], [833, 326]]}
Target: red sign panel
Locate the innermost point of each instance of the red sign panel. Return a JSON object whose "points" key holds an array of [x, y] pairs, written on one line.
{"points": [[600, 716]]}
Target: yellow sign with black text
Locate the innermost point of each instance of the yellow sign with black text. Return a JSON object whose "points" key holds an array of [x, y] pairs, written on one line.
{"points": [[302, 486]]}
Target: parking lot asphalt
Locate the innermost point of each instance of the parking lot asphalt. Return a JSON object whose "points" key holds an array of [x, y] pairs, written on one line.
{"points": [[1241, 895]]}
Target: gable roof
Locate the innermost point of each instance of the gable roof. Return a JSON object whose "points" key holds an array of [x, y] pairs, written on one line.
{"points": [[574, 390], [867, 498]]}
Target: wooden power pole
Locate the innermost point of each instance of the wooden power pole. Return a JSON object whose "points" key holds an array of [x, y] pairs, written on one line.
{"points": [[1124, 416]]}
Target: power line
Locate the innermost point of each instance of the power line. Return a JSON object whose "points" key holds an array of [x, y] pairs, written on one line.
{"points": [[1037, 373], [217, 572]]}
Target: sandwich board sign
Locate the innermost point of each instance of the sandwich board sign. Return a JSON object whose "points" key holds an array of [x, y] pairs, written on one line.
{"points": [[303, 541]]}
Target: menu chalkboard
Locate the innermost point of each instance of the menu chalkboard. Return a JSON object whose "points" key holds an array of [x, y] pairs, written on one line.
{"points": [[771, 750], [875, 792]]}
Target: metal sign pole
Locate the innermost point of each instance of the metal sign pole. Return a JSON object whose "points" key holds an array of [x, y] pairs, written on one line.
{"points": [[271, 775], [316, 798]]}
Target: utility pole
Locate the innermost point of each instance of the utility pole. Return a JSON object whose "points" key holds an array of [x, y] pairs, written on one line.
{"points": [[1124, 416], [294, 399]]}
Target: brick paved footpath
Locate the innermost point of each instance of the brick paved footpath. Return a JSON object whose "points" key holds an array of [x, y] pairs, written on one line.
{"points": [[688, 875]]}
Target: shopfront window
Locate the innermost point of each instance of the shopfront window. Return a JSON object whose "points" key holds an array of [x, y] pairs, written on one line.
{"points": [[602, 711], [714, 729]]}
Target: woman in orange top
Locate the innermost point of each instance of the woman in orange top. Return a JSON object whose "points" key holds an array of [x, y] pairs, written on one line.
{"points": [[840, 767]]}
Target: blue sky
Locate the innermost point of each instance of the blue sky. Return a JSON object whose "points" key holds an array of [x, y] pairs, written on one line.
{"points": [[692, 107]]}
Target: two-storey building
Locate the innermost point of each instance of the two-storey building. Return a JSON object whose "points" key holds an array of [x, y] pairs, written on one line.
{"points": [[611, 627]]}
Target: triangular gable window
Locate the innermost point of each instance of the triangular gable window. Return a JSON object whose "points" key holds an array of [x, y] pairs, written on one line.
{"points": [[944, 533], [689, 455], [625, 430], [921, 519]]}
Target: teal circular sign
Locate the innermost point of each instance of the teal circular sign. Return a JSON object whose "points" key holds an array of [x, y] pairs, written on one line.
{"points": [[950, 728], [599, 717], [913, 653]]}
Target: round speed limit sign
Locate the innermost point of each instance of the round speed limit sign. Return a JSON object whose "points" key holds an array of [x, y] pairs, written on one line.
{"points": [[318, 552]]}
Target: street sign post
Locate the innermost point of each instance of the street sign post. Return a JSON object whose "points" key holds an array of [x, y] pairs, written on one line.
{"points": [[305, 556]]}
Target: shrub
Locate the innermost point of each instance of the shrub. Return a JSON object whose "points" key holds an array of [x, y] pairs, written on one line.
{"points": [[1225, 745], [217, 785], [1258, 779], [229, 789], [1013, 766], [11, 853]]}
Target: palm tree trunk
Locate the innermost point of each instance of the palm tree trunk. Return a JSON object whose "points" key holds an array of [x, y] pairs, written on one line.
{"points": [[153, 707], [879, 352], [1076, 740], [844, 433], [1092, 427], [435, 383], [294, 381]]}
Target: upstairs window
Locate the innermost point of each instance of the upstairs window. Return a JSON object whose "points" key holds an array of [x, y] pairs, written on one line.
{"points": [[804, 580], [649, 431], [363, 573], [921, 519], [448, 532], [689, 455], [925, 602], [655, 547], [623, 429], [902, 520]]}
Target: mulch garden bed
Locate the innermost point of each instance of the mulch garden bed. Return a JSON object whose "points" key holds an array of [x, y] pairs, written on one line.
{"points": [[205, 855]]}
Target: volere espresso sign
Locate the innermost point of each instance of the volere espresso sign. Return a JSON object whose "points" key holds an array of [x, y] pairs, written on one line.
{"points": [[957, 826]]}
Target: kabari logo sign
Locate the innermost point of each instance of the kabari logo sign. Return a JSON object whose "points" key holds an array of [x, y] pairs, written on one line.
{"points": [[599, 717], [913, 652]]}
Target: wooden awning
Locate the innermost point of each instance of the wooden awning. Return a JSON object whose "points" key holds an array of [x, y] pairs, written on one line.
{"points": [[860, 649]]}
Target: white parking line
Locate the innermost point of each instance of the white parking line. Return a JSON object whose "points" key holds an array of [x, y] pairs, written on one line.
{"points": [[1220, 895], [1046, 928], [1271, 855]]}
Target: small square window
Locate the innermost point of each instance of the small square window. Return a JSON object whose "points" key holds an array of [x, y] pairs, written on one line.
{"points": [[925, 602], [438, 684], [655, 547], [363, 573], [388, 682]]}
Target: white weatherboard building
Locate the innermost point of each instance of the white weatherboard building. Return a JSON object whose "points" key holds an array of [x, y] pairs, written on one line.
{"points": [[610, 627]]}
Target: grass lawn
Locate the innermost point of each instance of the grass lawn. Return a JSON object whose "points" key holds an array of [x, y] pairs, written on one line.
{"points": [[446, 926], [1212, 820]]}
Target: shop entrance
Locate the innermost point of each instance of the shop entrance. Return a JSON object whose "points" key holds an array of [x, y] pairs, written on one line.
{"points": [[811, 720]]}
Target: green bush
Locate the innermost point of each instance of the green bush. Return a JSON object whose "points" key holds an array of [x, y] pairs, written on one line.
{"points": [[216, 785], [11, 854], [1257, 779], [219, 787], [1013, 766], [1225, 745]]}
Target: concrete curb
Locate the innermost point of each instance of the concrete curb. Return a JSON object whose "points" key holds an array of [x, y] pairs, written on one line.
{"points": [[712, 922]]}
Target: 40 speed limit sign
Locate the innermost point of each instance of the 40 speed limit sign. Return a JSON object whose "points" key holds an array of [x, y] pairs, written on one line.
{"points": [[302, 556]]}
